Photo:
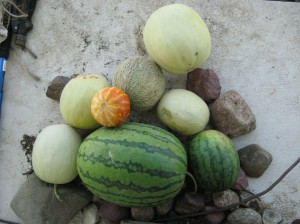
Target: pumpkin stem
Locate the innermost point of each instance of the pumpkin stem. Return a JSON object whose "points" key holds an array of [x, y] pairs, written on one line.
{"points": [[58, 197], [194, 181]]}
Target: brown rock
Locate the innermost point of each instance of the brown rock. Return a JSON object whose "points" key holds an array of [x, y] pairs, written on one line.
{"points": [[56, 87], [112, 212], [242, 181], [143, 213], [254, 160], [189, 202], [205, 83], [231, 115], [214, 218]]}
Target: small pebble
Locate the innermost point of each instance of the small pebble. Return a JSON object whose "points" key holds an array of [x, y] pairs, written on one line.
{"points": [[56, 87], [164, 208], [113, 213], [225, 198], [231, 115], [214, 218], [242, 181], [271, 216], [189, 202], [244, 216], [254, 160], [142, 213], [205, 83]]}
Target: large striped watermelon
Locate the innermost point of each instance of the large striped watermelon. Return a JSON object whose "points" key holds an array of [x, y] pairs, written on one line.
{"points": [[214, 161], [133, 164]]}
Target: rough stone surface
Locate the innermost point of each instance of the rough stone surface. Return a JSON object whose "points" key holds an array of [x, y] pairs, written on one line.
{"points": [[242, 181], [77, 219], [90, 214], [164, 208], [225, 198], [254, 204], [231, 115], [113, 213], [205, 83], [142, 214], [271, 216], [188, 203], [35, 202], [214, 218], [56, 87], [244, 216], [254, 160]]}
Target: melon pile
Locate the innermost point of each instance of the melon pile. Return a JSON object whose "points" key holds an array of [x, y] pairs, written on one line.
{"points": [[135, 164]]}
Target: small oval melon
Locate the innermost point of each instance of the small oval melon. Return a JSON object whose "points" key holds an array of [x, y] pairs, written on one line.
{"points": [[142, 80], [214, 161]]}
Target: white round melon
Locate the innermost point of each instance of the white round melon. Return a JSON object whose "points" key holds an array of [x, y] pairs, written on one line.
{"points": [[54, 154], [183, 111], [177, 38], [76, 98]]}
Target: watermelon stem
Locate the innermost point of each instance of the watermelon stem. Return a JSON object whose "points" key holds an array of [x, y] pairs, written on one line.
{"points": [[194, 181], [58, 197]]}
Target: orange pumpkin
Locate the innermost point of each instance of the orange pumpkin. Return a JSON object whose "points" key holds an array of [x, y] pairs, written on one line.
{"points": [[110, 106]]}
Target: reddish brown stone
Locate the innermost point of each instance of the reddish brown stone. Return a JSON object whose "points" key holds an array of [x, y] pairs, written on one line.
{"points": [[205, 83], [242, 181], [112, 212]]}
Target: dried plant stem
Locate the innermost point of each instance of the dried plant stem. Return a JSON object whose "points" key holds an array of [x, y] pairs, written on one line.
{"points": [[235, 204]]}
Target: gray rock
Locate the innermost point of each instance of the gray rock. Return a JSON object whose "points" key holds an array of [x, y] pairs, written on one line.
{"points": [[244, 216], [142, 214], [242, 181], [254, 160], [112, 212], [189, 202], [56, 87], [77, 219], [214, 218], [231, 115], [254, 204], [225, 198], [164, 208], [271, 216], [90, 214], [36, 203], [205, 83]]}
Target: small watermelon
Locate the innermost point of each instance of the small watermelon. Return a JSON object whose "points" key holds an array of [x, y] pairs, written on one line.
{"points": [[133, 164], [214, 161]]}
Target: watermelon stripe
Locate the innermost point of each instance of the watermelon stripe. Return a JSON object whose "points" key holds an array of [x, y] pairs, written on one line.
{"points": [[131, 167], [136, 198], [151, 149], [169, 139], [131, 186]]}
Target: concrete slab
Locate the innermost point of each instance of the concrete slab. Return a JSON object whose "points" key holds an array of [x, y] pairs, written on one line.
{"points": [[256, 51]]}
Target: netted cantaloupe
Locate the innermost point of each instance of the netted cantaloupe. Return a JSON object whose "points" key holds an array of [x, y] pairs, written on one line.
{"points": [[142, 80]]}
